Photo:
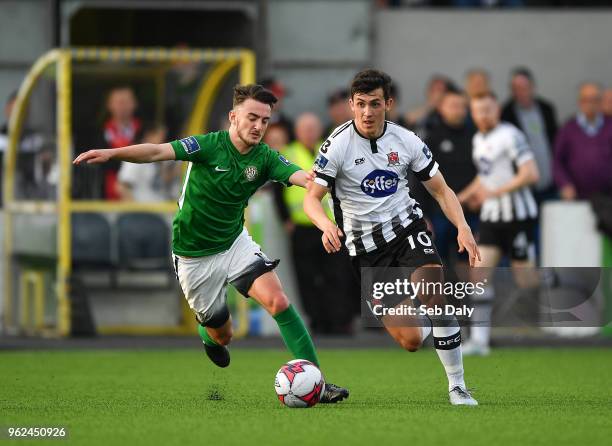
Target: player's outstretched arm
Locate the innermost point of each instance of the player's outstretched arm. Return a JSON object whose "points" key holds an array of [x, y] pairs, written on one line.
{"points": [[139, 153], [316, 213], [301, 178], [449, 204]]}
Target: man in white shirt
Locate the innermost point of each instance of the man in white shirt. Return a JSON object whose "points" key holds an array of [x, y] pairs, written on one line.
{"points": [[365, 164], [508, 211]]}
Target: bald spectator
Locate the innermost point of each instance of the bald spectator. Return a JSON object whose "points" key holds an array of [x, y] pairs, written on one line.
{"points": [[536, 117], [583, 149], [338, 110], [606, 104], [325, 305]]}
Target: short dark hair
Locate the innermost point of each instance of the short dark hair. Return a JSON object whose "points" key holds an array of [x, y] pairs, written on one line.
{"points": [[255, 92], [451, 88], [523, 71], [369, 80]]}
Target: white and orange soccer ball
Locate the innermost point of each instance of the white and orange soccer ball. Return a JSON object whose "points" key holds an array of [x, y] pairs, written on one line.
{"points": [[299, 383]]}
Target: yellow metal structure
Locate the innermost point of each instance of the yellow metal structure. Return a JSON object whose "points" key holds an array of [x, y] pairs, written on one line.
{"points": [[35, 280], [223, 63]]}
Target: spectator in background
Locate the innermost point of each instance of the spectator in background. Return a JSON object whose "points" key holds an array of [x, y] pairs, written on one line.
{"points": [[276, 137], [606, 103], [477, 82], [278, 116], [315, 270], [583, 149], [536, 117], [450, 141], [149, 182], [122, 128], [35, 159], [338, 109], [421, 116]]}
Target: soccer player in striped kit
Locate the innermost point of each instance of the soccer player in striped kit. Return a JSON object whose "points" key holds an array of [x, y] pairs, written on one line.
{"points": [[508, 211], [365, 164]]}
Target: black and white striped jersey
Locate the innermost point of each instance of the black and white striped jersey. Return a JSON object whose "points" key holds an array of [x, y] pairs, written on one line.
{"points": [[497, 155], [368, 181]]}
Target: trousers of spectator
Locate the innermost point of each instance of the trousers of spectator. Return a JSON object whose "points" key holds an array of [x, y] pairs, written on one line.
{"points": [[324, 283]]}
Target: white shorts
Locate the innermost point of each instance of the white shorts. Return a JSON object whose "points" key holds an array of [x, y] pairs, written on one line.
{"points": [[204, 279]]}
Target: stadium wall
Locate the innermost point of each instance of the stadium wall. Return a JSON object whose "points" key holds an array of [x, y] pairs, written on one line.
{"points": [[26, 32], [562, 48], [1, 270]]}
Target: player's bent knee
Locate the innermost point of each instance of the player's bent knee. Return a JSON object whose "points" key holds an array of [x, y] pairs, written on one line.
{"points": [[278, 303], [409, 343]]}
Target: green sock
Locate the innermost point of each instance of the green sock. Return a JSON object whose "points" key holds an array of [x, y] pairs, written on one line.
{"points": [[205, 336], [295, 335]]}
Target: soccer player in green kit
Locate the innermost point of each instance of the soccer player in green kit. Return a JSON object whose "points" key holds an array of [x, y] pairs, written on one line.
{"points": [[210, 245]]}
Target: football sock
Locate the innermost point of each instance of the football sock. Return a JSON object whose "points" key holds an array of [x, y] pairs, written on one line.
{"points": [[481, 320], [296, 336], [447, 341], [206, 339], [425, 328]]}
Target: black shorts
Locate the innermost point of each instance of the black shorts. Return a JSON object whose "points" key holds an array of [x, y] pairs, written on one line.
{"points": [[411, 249], [515, 239]]}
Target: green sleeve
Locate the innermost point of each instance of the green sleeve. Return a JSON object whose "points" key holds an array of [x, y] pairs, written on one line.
{"points": [[280, 168], [194, 148]]}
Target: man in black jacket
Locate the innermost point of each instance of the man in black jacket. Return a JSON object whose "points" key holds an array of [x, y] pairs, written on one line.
{"points": [[449, 138], [537, 118]]}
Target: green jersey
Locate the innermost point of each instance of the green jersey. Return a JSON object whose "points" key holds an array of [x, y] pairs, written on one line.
{"points": [[216, 190]]}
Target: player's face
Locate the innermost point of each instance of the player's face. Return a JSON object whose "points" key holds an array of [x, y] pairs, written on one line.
{"points": [[250, 120], [485, 113], [369, 111]]}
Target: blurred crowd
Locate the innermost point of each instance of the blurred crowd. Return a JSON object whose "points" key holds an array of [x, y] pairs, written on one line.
{"points": [[574, 159]]}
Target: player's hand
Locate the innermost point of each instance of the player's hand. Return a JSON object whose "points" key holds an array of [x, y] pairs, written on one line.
{"points": [[568, 192], [482, 194], [93, 157], [466, 242], [331, 238]]}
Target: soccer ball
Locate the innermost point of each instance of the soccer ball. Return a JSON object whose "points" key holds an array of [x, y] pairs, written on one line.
{"points": [[299, 383]]}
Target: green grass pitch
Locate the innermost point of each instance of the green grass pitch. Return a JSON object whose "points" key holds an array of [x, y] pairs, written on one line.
{"points": [[144, 397]]}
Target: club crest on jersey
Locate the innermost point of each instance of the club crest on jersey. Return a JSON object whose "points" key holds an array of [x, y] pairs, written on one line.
{"points": [[393, 158], [380, 183], [251, 173]]}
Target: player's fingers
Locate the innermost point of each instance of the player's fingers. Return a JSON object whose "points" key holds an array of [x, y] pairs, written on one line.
{"points": [[85, 156], [478, 253], [461, 246], [334, 241], [340, 233], [326, 244]]}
